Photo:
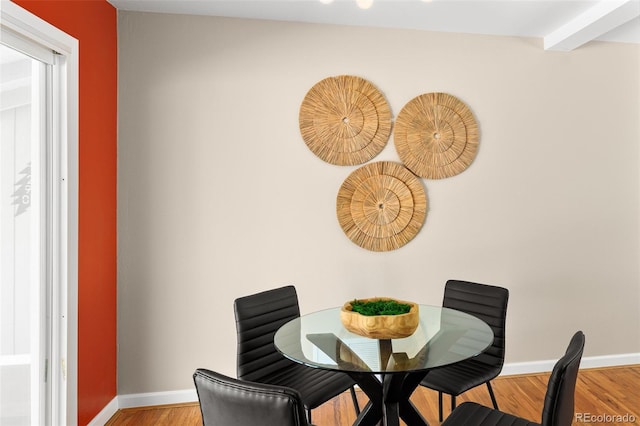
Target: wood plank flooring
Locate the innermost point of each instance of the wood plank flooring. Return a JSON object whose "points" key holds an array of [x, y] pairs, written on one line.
{"points": [[601, 395]]}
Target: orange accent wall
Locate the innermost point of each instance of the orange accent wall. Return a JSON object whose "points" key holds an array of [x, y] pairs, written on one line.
{"points": [[94, 24]]}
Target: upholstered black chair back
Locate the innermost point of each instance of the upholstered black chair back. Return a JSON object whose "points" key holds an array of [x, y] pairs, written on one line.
{"points": [[258, 317], [487, 302], [225, 401], [558, 407], [559, 400]]}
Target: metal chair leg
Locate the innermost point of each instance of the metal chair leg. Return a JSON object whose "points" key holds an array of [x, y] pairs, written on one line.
{"points": [[453, 402], [309, 416], [355, 400], [440, 406], [493, 397]]}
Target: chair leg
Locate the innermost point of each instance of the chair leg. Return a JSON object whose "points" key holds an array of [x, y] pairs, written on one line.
{"points": [[309, 415], [440, 406], [493, 397], [453, 402], [355, 401]]}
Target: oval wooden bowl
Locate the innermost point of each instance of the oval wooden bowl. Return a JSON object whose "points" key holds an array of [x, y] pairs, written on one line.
{"points": [[381, 326]]}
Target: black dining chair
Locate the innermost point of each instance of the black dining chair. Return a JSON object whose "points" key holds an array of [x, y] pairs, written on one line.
{"points": [[558, 409], [225, 401], [258, 317], [489, 303]]}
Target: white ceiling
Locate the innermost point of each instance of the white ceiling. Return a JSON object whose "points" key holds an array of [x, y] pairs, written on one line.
{"points": [[564, 24]]}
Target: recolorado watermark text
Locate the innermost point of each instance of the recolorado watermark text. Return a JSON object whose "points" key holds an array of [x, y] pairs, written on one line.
{"points": [[605, 418]]}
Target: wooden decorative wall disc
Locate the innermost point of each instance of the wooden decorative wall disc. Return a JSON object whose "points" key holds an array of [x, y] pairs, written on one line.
{"points": [[381, 206], [345, 120], [436, 135]]}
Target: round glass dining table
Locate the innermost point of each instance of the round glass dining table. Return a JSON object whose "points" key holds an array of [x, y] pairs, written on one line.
{"points": [[387, 370]]}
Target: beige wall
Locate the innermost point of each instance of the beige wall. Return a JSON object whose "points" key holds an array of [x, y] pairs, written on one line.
{"points": [[219, 197]]}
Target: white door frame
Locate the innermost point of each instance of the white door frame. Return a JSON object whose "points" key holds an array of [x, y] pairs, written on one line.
{"points": [[64, 207]]}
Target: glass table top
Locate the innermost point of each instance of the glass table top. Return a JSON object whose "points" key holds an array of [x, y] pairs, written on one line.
{"points": [[444, 336]]}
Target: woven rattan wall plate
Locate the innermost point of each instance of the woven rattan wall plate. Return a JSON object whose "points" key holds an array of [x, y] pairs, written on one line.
{"points": [[436, 135], [381, 206], [345, 120]]}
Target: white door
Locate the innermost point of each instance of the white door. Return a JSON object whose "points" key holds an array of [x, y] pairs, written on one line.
{"points": [[25, 117], [38, 220]]}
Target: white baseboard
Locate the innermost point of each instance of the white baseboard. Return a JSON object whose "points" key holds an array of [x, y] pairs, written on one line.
{"points": [[610, 360], [514, 368], [107, 412], [157, 398], [142, 400], [190, 395]]}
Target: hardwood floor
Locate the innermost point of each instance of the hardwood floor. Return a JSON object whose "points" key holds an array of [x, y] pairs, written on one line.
{"points": [[601, 395]]}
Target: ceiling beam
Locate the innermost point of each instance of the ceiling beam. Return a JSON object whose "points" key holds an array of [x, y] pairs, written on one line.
{"points": [[594, 22]]}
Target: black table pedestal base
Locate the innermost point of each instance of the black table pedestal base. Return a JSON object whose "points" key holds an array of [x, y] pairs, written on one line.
{"points": [[389, 400]]}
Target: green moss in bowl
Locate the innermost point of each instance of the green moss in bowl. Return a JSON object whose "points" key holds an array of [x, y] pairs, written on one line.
{"points": [[379, 307]]}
